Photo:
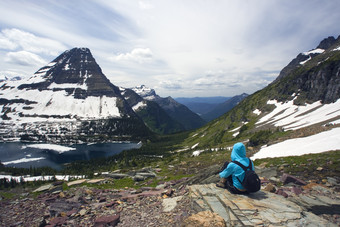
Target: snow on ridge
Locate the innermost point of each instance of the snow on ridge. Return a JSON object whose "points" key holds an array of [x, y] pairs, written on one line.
{"points": [[257, 112], [144, 92], [67, 85], [303, 62], [318, 143], [23, 160], [292, 117], [315, 51], [139, 105], [59, 148], [336, 49]]}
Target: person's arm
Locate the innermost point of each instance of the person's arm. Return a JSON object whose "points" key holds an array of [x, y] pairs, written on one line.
{"points": [[227, 171]]}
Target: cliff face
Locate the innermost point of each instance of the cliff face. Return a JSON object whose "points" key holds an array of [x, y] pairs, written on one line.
{"points": [[315, 74]]}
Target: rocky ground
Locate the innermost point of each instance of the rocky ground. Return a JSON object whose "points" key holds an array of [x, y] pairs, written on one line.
{"points": [[87, 203]]}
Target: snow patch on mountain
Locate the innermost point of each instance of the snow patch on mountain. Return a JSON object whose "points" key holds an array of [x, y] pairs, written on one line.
{"points": [[139, 105], [318, 143], [257, 112], [145, 92], [312, 52], [315, 51], [292, 117], [59, 103], [23, 160], [58, 148]]}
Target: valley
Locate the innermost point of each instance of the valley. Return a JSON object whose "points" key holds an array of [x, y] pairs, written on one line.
{"points": [[290, 129]]}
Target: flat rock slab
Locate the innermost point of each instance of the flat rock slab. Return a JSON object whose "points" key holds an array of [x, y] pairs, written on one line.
{"points": [[76, 182], [257, 209]]}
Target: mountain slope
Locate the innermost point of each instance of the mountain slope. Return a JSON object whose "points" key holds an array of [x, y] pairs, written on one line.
{"points": [[66, 98], [223, 107], [307, 94], [175, 110], [151, 113]]}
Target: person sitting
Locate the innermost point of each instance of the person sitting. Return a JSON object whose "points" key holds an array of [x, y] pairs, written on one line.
{"points": [[232, 174]]}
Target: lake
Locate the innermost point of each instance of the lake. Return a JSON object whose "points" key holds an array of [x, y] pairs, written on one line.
{"points": [[25, 155]]}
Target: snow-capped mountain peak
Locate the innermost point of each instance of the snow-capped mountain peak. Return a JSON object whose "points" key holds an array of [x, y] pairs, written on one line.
{"points": [[71, 88], [145, 92]]}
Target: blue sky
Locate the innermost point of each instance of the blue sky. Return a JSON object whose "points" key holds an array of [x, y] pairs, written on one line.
{"points": [[180, 48]]}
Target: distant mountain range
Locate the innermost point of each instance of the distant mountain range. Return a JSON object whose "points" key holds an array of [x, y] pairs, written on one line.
{"points": [[305, 95], [202, 105], [210, 108], [223, 108], [71, 100]]}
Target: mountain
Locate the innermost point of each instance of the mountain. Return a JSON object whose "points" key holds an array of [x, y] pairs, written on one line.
{"points": [[202, 105], [303, 99], [154, 116], [69, 99], [175, 110], [223, 108]]}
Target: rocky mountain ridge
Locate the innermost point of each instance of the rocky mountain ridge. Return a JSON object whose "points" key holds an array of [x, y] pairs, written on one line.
{"points": [[174, 109], [307, 95], [71, 100]]}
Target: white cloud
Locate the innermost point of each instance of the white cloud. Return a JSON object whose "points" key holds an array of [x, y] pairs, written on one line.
{"points": [[24, 58], [196, 47], [140, 55], [18, 39], [170, 85]]}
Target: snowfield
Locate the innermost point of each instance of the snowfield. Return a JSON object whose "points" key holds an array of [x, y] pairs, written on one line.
{"points": [[42, 178], [59, 103], [59, 148], [23, 160], [318, 143], [292, 117]]}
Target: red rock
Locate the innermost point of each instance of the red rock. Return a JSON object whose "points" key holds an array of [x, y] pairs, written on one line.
{"points": [[281, 192], [296, 190], [111, 220], [286, 178], [58, 221]]}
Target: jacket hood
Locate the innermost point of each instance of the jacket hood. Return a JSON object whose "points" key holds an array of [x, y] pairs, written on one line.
{"points": [[238, 152]]}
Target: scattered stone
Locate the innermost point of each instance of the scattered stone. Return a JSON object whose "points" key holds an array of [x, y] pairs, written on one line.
{"points": [[319, 168], [95, 181], [117, 175], [332, 181], [286, 178], [280, 191], [270, 188], [170, 203], [111, 220], [138, 178], [296, 190], [204, 219], [82, 212], [76, 182], [266, 172], [58, 221], [44, 188]]}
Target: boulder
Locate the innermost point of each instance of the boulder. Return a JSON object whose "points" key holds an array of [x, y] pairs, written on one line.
{"points": [[270, 188], [204, 219], [286, 178], [111, 220], [117, 175]]}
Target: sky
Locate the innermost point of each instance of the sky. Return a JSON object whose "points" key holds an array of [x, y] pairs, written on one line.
{"points": [[190, 48]]}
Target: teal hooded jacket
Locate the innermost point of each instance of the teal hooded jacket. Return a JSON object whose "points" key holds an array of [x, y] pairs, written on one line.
{"points": [[238, 154]]}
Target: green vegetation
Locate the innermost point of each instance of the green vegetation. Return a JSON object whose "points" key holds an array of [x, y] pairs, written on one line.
{"points": [[306, 165]]}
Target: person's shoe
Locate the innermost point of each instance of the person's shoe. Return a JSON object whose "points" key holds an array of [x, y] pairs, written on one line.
{"points": [[221, 183]]}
